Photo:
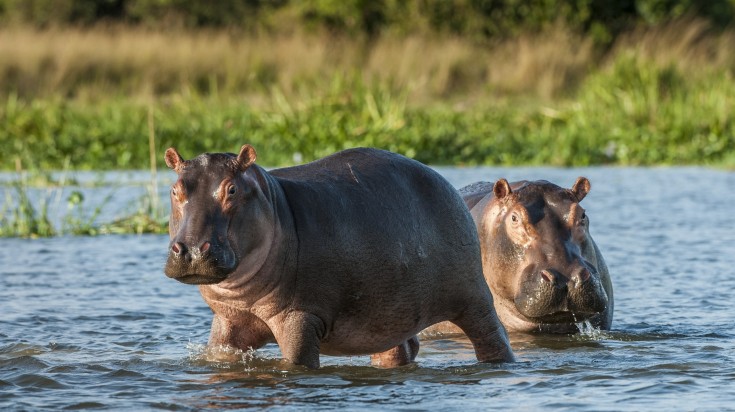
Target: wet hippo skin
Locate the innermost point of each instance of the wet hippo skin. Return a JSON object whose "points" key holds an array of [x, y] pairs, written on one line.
{"points": [[351, 254]]}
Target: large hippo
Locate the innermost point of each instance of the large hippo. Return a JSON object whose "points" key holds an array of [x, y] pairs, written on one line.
{"points": [[543, 268], [351, 254]]}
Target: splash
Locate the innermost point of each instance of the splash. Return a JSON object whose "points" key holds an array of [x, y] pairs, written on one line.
{"points": [[588, 331], [228, 357], [218, 353]]}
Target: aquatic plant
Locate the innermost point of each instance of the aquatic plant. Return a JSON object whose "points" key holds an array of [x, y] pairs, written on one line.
{"points": [[20, 218], [24, 215]]}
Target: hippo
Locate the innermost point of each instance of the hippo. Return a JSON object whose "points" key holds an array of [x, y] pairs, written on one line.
{"points": [[544, 269], [351, 254]]}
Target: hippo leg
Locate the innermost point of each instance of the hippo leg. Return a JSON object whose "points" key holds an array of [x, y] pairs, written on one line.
{"points": [[300, 337], [400, 355], [486, 333], [247, 333]]}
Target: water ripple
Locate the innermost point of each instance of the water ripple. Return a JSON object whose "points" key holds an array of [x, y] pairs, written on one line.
{"points": [[83, 332]]}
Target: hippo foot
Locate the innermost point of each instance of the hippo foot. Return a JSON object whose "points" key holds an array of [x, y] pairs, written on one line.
{"points": [[400, 355]]}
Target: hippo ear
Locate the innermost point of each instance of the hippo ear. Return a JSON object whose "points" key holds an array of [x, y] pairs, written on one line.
{"points": [[173, 159], [581, 188], [501, 188], [246, 157]]}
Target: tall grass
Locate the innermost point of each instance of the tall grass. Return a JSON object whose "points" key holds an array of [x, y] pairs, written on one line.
{"points": [[631, 113], [98, 62], [19, 216]]}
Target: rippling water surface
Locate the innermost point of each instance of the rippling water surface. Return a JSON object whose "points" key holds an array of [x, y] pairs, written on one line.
{"points": [[92, 323]]}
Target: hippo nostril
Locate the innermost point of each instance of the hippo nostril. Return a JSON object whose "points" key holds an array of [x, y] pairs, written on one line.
{"points": [[548, 276], [178, 248], [204, 247], [581, 276], [584, 275]]}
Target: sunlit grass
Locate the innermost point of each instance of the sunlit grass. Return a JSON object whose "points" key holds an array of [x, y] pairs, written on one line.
{"points": [[103, 61]]}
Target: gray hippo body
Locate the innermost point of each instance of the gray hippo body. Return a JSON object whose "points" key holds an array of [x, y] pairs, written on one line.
{"points": [[352, 254], [544, 269]]}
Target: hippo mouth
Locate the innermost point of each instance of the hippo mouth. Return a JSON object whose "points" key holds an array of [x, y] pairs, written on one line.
{"points": [[194, 279], [196, 274], [564, 317]]}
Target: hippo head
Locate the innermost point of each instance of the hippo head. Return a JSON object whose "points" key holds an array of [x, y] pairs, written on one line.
{"points": [[219, 222], [544, 265]]}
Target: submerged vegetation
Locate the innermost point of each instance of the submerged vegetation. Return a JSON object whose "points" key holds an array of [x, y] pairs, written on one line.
{"points": [[650, 85]]}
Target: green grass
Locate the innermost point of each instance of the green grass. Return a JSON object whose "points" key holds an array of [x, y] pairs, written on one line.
{"points": [[19, 217], [632, 113]]}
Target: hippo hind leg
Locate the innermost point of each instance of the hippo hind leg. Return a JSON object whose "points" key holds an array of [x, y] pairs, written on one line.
{"points": [[489, 339], [400, 355]]}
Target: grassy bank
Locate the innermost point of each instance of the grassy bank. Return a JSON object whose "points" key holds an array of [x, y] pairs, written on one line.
{"points": [[659, 96], [630, 113]]}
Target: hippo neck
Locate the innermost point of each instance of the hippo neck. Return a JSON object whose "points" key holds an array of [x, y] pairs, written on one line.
{"points": [[274, 273]]}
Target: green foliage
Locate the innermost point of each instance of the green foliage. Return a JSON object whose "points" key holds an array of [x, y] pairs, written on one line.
{"points": [[19, 217], [634, 112], [78, 221], [719, 12], [656, 115], [147, 217], [346, 16], [479, 19], [27, 215]]}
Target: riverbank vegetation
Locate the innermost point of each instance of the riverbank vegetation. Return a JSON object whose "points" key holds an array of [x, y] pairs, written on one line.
{"points": [[86, 85], [657, 96]]}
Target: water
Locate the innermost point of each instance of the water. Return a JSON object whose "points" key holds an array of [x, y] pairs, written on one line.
{"points": [[92, 323]]}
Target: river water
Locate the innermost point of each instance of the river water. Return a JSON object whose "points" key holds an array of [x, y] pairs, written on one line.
{"points": [[92, 322]]}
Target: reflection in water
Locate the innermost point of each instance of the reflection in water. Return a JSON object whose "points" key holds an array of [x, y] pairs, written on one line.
{"points": [[93, 323]]}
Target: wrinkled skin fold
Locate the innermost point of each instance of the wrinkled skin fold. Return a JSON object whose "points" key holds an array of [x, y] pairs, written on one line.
{"points": [[544, 269], [352, 254]]}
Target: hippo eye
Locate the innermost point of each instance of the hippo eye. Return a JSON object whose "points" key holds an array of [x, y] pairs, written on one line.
{"points": [[514, 218], [231, 190]]}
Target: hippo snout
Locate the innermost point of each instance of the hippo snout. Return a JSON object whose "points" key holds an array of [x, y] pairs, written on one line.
{"points": [[547, 295], [202, 264], [181, 251], [576, 280]]}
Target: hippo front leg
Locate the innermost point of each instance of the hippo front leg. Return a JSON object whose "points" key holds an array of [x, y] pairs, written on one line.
{"points": [[300, 338], [400, 355], [243, 334], [488, 336]]}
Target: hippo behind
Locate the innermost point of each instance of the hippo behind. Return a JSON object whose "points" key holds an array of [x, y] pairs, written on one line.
{"points": [[543, 268], [352, 254]]}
